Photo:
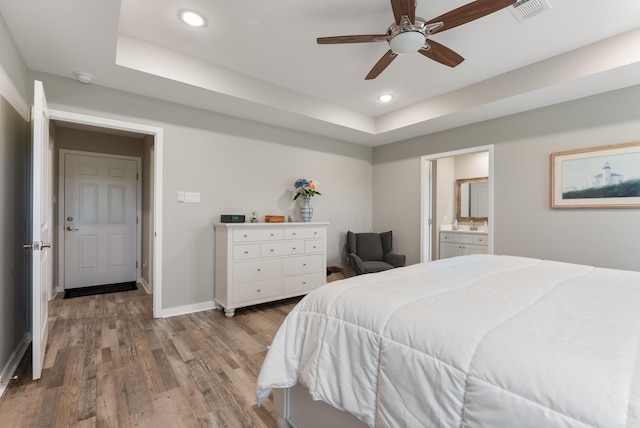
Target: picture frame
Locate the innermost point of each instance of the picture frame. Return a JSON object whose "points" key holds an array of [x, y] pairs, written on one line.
{"points": [[596, 177]]}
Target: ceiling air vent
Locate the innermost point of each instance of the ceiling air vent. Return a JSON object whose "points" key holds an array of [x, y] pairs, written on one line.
{"points": [[525, 9]]}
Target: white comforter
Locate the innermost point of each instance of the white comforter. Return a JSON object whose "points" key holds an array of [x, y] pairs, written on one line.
{"points": [[474, 341]]}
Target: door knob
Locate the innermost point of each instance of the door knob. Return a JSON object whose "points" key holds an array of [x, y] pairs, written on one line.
{"points": [[45, 245], [69, 228]]}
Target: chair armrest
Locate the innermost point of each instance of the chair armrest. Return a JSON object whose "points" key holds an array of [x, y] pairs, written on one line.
{"points": [[397, 260], [356, 263]]}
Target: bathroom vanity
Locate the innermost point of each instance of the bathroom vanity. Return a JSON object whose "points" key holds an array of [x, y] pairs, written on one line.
{"points": [[463, 242]]}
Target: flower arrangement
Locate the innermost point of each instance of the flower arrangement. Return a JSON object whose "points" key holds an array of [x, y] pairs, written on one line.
{"points": [[306, 188]]}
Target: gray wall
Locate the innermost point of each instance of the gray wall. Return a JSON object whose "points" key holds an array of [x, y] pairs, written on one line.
{"points": [[13, 138], [238, 166], [525, 225]]}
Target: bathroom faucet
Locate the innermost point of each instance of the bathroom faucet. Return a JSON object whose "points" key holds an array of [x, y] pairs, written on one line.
{"points": [[473, 226]]}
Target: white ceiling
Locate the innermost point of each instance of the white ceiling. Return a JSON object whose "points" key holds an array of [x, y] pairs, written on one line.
{"points": [[259, 59]]}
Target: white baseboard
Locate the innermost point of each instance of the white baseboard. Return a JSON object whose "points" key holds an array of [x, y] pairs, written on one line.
{"points": [[188, 309], [145, 285], [11, 366]]}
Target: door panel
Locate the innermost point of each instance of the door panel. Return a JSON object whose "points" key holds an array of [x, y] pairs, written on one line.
{"points": [[41, 272], [100, 208]]}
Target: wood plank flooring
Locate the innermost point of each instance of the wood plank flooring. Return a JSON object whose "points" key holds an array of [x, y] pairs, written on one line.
{"points": [[109, 363]]}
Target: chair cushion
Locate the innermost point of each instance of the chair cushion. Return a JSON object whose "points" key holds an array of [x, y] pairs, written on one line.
{"points": [[369, 246], [374, 266]]}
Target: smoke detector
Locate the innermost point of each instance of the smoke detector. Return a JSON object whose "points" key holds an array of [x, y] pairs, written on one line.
{"points": [[525, 9], [83, 77]]}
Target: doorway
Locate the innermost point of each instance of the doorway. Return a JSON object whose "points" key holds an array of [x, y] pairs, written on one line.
{"points": [[438, 172], [151, 219]]}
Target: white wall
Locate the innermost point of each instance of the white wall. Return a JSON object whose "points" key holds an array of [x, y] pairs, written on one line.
{"points": [[238, 166], [524, 222]]}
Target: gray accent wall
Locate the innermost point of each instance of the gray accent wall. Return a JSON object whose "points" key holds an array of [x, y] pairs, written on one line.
{"points": [[525, 225], [13, 170]]}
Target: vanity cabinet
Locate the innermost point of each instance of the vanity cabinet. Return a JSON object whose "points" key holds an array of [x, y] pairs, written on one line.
{"points": [[261, 262], [459, 243]]}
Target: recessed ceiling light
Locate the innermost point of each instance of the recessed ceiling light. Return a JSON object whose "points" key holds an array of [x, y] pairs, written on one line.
{"points": [[385, 98], [195, 19]]}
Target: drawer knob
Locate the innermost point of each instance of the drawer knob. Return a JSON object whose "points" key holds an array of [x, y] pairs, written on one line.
{"points": [[304, 282], [294, 234], [244, 236], [294, 248], [259, 290], [315, 233], [259, 269], [314, 247], [246, 252], [271, 250], [272, 234], [304, 264]]}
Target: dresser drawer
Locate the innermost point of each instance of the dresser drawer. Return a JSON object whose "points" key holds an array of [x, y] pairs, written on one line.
{"points": [[257, 290], [258, 234], [246, 251], [302, 264], [304, 233], [302, 283], [271, 249], [314, 246], [258, 269]]}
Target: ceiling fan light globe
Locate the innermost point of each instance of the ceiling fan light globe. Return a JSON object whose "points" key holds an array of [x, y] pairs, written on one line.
{"points": [[407, 42]]}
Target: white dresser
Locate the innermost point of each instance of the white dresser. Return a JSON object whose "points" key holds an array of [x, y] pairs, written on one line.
{"points": [[460, 243], [262, 262]]}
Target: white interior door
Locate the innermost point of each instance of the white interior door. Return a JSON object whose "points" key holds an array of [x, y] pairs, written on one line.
{"points": [[41, 272], [100, 213]]}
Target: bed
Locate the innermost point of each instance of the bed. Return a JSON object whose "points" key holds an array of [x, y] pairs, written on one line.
{"points": [[471, 341]]}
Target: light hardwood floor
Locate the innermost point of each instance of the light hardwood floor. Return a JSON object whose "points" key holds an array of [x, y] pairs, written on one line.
{"points": [[109, 363]]}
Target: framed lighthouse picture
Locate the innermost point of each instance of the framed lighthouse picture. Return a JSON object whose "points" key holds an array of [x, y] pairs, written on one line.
{"points": [[596, 177]]}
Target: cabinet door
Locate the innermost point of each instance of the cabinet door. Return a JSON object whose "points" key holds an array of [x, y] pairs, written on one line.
{"points": [[474, 249], [449, 249]]}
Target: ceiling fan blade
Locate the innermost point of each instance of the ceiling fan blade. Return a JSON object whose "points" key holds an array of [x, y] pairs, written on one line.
{"points": [[404, 7], [469, 12], [441, 54], [352, 39], [381, 65]]}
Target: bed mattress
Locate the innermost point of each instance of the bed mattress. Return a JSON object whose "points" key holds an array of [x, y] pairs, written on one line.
{"points": [[472, 341]]}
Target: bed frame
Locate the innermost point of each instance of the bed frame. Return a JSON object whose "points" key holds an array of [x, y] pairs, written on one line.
{"points": [[296, 409]]}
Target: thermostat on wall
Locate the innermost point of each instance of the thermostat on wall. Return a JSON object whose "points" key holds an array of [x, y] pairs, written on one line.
{"points": [[232, 218]]}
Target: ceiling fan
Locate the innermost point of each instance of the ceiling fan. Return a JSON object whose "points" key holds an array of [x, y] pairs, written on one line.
{"points": [[409, 33]]}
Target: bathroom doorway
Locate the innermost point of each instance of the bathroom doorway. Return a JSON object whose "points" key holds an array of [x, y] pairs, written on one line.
{"points": [[438, 192]]}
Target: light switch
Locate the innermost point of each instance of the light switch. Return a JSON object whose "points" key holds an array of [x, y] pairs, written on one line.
{"points": [[180, 196], [192, 196]]}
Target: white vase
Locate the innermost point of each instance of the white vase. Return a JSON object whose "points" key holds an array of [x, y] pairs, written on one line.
{"points": [[306, 210]]}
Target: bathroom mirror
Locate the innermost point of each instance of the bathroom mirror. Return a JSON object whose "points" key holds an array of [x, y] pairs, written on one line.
{"points": [[472, 199]]}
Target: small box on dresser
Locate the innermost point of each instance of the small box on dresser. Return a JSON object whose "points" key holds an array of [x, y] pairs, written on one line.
{"points": [[259, 262]]}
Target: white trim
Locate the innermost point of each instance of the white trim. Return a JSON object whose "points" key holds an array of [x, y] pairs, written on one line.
{"points": [[157, 134], [61, 207], [145, 285], [425, 238], [188, 309], [12, 365]]}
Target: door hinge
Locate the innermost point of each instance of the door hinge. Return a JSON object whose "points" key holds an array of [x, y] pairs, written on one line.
{"points": [[137, 176], [136, 220], [136, 264]]}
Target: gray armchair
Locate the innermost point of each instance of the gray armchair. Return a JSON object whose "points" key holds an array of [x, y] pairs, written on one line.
{"points": [[371, 252]]}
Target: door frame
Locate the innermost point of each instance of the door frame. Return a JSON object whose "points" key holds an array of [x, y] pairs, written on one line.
{"points": [[61, 207], [157, 159], [427, 204]]}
